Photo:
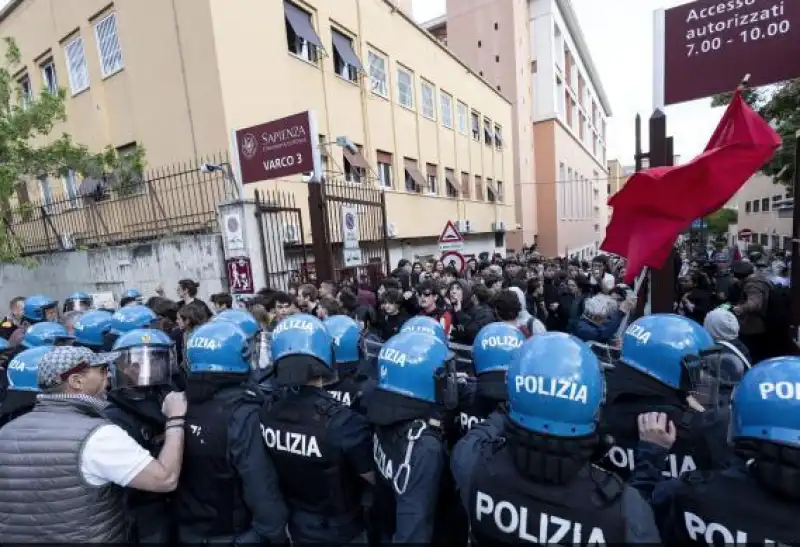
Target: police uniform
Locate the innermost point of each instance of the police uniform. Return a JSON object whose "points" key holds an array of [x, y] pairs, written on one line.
{"points": [[320, 449], [228, 488], [20, 384], [347, 353], [7, 327]]}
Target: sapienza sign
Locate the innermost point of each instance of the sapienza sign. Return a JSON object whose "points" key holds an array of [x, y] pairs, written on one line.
{"points": [[278, 148], [706, 47]]}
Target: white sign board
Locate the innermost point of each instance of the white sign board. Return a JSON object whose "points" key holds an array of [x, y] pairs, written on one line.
{"points": [[103, 300], [233, 231], [350, 227], [352, 258]]}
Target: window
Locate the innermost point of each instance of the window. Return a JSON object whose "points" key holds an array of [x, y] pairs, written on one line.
{"points": [[764, 240], [431, 170], [385, 169], [479, 195], [355, 167], [377, 74], [608, 189], [71, 187], [405, 88], [301, 38], [25, 92], [49, 77], [428, 108], [490, 191], [561, 96], [476, 126], [560, 184], [776, 198], [446, 104], [765, 204], [76, 66], [466, 189], [747, 207], [47, 193], [461, 115], [451, 183], [487, 132], [496, 58], [756, 207], [568, 194], [414, 180], [345, 60], [108, 44], [501, 194], [498, 137], [479, 43]]}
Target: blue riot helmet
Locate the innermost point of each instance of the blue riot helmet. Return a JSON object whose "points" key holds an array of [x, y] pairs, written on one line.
{"points": [[555, 386], [3, 344], [218, 348], [91, 329], [132, 295], [674, 351], [24, 367], [46, 334], [766, 403], [146, 359], [346, 335], [77, 301], [131, 318], [252, 329], [427, 325], [38, 308], [493, 349], [418, 366], [301, 348]]}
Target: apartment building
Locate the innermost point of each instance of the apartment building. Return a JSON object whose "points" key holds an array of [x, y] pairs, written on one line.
{"points": [[765, 213], [536, 50], [179, 77]]}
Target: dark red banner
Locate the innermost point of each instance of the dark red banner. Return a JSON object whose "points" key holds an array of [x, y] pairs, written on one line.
{"points": [[275, 149]]}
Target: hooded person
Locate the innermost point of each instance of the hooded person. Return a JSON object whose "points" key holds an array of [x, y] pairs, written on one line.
{"points": [[527, 323], [469, 316]]}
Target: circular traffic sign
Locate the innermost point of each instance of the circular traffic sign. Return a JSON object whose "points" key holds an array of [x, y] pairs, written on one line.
{"points": [[454, 259], [350, 221]]}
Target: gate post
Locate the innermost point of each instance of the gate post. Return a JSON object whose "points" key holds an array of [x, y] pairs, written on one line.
{"points": [[323, 254], [385, 234]]}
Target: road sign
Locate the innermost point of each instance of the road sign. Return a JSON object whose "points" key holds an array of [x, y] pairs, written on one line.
{"points": [[353, 257], [699, 224], [454, 259], [350, 227], [705, 47], [451, 239], [277, 148]]}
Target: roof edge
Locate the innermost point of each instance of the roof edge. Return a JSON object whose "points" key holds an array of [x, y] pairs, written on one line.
{"points": [[571, 19], [6, 11]]}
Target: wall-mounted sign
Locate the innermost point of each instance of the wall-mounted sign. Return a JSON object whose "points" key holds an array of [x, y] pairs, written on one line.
{"points": [[240, 275]]}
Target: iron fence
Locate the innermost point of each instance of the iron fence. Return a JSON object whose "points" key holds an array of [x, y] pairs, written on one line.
{"points": [[172, 200]]}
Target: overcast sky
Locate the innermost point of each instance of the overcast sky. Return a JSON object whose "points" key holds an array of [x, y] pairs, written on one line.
{"points": [[620, 38]]}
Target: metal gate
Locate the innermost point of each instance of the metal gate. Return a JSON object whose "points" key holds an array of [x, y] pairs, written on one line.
{"points": [[370, 203], [282, 235]]}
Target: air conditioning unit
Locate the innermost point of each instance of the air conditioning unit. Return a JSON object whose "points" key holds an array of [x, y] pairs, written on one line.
{"points": [[499, 226], [391, 227], [291, 233], [67, 240], [464, 226]]}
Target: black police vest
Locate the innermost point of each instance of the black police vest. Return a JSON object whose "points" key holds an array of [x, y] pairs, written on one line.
{"points": [[715, 508], [507, 508], [478, 411], [690, 451], [389, 448], [345, 390], [311, 470], [209, 498]]}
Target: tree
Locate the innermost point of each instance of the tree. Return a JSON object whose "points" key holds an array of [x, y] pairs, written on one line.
{"points": [[780, 105], [27, 150], [721, 219]]}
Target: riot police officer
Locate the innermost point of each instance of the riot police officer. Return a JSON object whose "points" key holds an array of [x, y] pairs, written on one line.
{"points": [[754, 501], [347, 353], [493, 349], [251, 328], [426, 325], [527, 476], [228, 488], [414, 495], [130, 318], [35, 309], [46, 334], [139, 382], [667, 364], [77, 301], [22, 384], [321, 449], [91, 329], [131, 297]]}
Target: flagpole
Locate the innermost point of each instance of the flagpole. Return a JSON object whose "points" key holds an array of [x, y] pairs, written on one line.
{"points": [[636, 286]]}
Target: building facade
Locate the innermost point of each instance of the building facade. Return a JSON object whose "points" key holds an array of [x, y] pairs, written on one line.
{"points": [[765, 213], [537, 50], [179, 77]]}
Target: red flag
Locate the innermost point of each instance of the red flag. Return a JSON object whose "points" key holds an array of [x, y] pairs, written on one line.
{"points": [[656, 204]]}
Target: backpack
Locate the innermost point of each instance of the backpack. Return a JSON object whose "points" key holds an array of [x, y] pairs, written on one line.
{"points": [[778, 313]]}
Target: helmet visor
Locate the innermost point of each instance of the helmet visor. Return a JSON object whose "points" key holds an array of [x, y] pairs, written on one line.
{"points": [[260, 355], [144, 366], [77, 304], [705, 375]]}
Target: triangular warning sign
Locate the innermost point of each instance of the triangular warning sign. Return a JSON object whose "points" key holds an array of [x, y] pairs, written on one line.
{"points": [[450, 234]]}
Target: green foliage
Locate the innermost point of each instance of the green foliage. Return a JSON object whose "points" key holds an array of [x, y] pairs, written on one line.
{"points": [[28, 149], [719, 220], [780, 105]]}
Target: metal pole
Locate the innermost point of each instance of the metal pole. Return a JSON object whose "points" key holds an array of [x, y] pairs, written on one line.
{"points": [[795, 282], [662, 286]]}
